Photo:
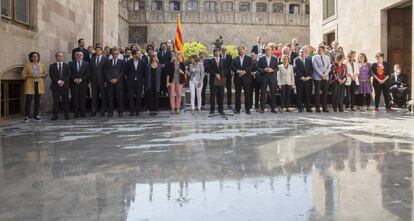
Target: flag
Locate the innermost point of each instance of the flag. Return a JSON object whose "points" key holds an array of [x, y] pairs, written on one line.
{"points": [[179, 43]]}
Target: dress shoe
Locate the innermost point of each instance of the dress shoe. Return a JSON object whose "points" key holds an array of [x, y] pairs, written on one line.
{"points": [[300, 110], [236, 112], [76, 116], [67, 117], [83, 115], [136, 113], [132, 114], [92, 115], [326, 111], [308, 110], [36, 118], [120, 115], [287, 110], [54, 118], [102, 115], [262, 111], [221, 112], [318, 110], [248, 112], [211, 112], [273, 111], [110, 115]]}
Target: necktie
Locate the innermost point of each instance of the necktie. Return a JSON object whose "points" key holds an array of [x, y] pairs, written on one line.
{"points": [[60, 70], [217, 62], [98, 60], [323, 63], [114, 63], [79, 65]]}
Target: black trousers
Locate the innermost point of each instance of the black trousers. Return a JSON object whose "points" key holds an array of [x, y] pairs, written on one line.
{"points": [[385, 90], [246, 87], [163, 84], [118, 91], [216, 92], [399, 96], [28, 103], [286, 90], [203, 91], [272, 87], [98, 90], [321, 86], [304, 94], [350, 95], [79, 92], [229, 84], [256, 91], [60, 94], [338, 92], [153, 98], [135, 95]]}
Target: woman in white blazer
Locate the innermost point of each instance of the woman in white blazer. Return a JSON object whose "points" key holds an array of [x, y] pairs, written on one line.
{"points": [[196, 74], [285, 81], [352, 80]]}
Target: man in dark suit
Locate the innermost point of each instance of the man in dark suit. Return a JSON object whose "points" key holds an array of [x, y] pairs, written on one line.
{"points": [[135, 71], [302, 66], [80, 71], [114, 73], [292, 53], [164, 56], [243, 79], [268, 66], [150, 51], [227, 67], [81, 48], [398, 87], [257, 48], [217, 81], [98, 82], [59, 73]]}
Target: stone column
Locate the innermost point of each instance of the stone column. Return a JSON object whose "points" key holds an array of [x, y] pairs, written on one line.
{"points": [[411, 103]]}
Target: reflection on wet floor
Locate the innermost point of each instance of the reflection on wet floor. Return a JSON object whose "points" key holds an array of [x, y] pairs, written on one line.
{"points": [[301, 167]]}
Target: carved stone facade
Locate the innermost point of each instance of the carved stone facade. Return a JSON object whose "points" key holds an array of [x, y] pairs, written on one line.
{"points": [[239, 22]]}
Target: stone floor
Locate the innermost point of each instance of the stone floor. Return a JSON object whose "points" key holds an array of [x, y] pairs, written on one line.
{"points": [[290, 166]]}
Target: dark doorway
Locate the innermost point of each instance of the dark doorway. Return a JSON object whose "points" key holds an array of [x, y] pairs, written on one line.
{"points": [[330, 37], [399, 30]]}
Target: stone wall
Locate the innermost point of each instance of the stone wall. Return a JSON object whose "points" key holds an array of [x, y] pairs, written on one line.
{"points": [[357, 27]]}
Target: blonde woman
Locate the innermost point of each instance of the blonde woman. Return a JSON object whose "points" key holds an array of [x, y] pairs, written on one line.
{"points": [[196, 76], [352, 80], [285, 81], [175, 77], [34, 74]]}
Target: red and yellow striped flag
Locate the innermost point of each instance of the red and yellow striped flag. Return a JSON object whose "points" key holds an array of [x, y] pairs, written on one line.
{"points": [[179, 43]]}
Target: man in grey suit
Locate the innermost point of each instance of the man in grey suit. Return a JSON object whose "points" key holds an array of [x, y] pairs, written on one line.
{"points": [[321, 68], [268, 67], [98, 82]]}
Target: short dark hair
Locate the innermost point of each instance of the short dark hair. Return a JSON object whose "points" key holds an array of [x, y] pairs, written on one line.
{"points": [[80, 39], [195, 57], [150, 47], [128, 49], [98, 46], [31, 55], [339, 56], [322, 47], [134, 52], [163, 43], [380, 54], [216, 49]]}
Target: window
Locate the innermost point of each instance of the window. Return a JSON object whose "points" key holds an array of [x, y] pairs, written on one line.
{"points": [[278, 8], [175, 6], [244, 7], [209, 6], [294, 9], [139, 6], [156, 6], [307, 9], [227, 6], [16, 10], [192, 6], [261, 7], [328, 8]]}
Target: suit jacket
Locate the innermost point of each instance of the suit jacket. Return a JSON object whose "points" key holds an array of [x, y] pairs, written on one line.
{"points": [[149, 76], [398, 81], [170, 69], [83, 73], [321, 66], [97, 71], [228, 60], [246, 66], [262, 64], [164, 59], [132, 73], [85, 54], [214, 69], [56, 76], [374, 67], [301, 69], [114, 72]]}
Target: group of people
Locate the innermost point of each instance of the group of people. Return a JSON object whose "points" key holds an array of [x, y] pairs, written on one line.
{"points": [[127, 75]]}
